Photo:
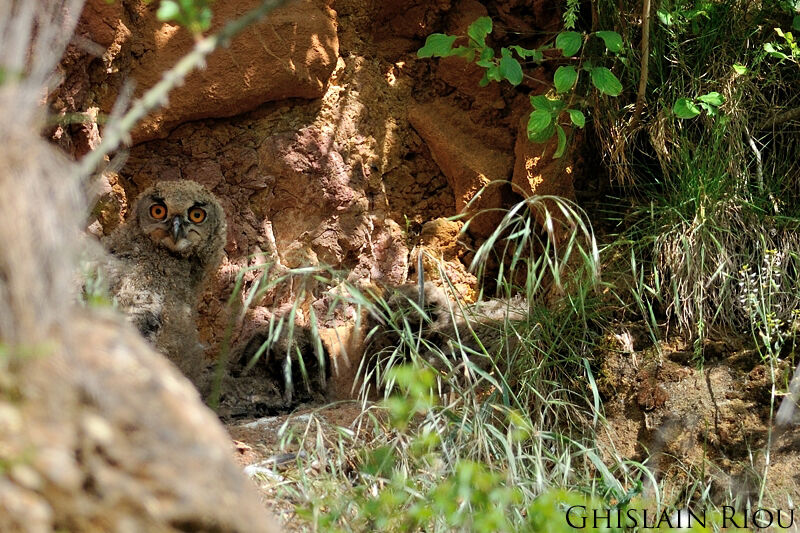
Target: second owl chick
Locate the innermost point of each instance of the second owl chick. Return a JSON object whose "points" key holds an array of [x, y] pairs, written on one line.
{"points": [[306, 356], [161, 257], [446, 327]]}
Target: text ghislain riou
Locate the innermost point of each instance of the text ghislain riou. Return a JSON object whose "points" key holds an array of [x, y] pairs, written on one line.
{"points": [[579, 517]]}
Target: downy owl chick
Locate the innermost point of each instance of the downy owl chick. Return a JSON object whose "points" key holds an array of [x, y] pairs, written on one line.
{"points": [[293, 358], [161, 256], [445, 329]]}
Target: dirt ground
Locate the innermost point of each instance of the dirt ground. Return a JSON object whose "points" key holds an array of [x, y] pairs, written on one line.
{"points": [[697, 429], [267, 449]]}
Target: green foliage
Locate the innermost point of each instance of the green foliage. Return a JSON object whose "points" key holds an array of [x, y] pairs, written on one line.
{"points": [[570, 16], [605, 81], [510, 69], [688, 108], [437, 45], [577, 117], [546, 119], [612, 40], [724, 185], [470, 498], [195, 15], [685, 108], [787, 48], [418, 398], [455, 447], [543, 121], [417, 494], [479, 29], [565, 78], [569, 42]]}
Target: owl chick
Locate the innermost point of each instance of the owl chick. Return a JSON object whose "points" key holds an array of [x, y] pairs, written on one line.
{"points": [[440, 327], [293, 359], [161, 257]]}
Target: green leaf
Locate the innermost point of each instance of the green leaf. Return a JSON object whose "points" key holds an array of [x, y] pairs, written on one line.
{"points": [[493, 73], [540, 101], [511, 69], [612, 39], [685, 108], [542, 136], [539, 120], [605, 81], [562, 142], [569, 42], [564, 78], [479, 29], [486, 58], [168, 10], [710, 109], [771, 50], [665, 17], [525, 53], [463, 51], [204, 19], [796, 22], [436, 45], [739, 69], [577, 117], [712, 98]]}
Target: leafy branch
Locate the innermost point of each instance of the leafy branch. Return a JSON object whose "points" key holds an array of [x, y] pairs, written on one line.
{"points": [[543, 122]]}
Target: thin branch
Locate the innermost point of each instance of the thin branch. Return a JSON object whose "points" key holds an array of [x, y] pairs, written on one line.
{"points": [[645, 64], [118, 131], [780, 118]]}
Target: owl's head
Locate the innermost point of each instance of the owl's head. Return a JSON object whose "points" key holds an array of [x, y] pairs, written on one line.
{"points": [[183, 217]]}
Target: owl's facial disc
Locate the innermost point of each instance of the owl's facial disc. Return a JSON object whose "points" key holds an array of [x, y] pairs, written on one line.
{"points": [[175, 227]]}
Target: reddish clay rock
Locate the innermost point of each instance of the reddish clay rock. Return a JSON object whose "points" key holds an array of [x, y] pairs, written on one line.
{"points": [[289, 54], [301, 185], [101, 21], [535, 170], [460, 149], [446, 252], [537, 173], [345, 345], [522, 16], [413, 19]]}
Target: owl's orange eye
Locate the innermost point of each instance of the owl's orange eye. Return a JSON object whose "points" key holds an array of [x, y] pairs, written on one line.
{"points": [[196, 215], [158, 211]]}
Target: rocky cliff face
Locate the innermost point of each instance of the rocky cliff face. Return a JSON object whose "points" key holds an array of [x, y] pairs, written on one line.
{"points": [[326, 139]]}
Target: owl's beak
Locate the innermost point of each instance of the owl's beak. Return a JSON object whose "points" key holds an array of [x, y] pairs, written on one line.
{"points": [[178, 229]]}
